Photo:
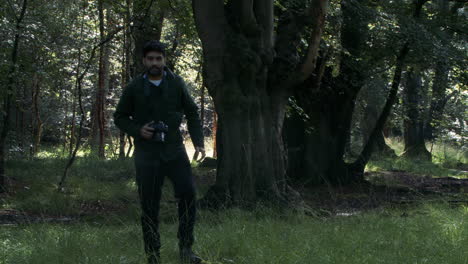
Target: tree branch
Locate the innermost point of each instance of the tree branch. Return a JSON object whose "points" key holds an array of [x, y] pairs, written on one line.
{"points": [[291, 71], [318, 11]]}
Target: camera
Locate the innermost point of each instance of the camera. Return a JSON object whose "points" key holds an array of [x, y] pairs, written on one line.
{"points": [[160, 130]]}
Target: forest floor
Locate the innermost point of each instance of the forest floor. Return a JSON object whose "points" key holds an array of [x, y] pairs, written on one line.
{"points": [[402, 215]]}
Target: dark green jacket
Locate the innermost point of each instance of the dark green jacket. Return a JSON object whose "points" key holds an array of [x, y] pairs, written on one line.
{"points": [[167, 102]]}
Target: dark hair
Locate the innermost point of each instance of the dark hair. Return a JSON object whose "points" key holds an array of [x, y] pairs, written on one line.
{"points": [[153, 45]]}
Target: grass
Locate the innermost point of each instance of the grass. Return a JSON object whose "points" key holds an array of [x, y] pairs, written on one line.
{"points": [[415, 167], [102, 197], [447, 161], [428, 234]]}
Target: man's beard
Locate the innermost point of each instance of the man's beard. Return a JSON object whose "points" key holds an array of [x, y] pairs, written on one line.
{"points": [[154, 71]]}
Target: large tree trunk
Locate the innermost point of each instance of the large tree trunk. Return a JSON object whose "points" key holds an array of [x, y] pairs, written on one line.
{"points": [[330, 121], [414, 123], [252, 163], [250, 94], [330, 102]]}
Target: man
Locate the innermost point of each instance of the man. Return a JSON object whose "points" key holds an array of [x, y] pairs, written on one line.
{"points": [[150, 110]]}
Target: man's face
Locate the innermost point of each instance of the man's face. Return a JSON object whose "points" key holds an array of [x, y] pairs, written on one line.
{"points": [[154, 63]]}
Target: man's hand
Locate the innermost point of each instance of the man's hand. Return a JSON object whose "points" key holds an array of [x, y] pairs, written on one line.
{"points": [[146, 131], [197, 151]]}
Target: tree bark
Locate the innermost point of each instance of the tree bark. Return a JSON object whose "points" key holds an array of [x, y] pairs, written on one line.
{"points": [[202, 106], [439, 99], [249, 96], [72, 125], [215, 134], [372, 112], [8, 96], [442, 70], [415, 146], [357, 168], [38, 125], [80, 74], [98, 119], [329, 103], [125, 71]]}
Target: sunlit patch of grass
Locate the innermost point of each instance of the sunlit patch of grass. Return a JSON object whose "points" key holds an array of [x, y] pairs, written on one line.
{"points": [[446, 154], [442, 152], [397, 144], [438, 167], [417, 167], [50, 152]]}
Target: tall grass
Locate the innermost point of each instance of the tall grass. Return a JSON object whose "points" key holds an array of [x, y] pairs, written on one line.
{"points": [[429, 234]]}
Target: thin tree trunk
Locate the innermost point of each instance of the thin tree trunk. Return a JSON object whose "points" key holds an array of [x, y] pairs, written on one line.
{"points": [[38, 122], [215, 134], [202, 106], [78, 85], [98, 118], [72, 124], [439, 99], [372, 112], [125, 72], [357, 168], [23, 128], [442, 70], [8, 96], [22, 119]]}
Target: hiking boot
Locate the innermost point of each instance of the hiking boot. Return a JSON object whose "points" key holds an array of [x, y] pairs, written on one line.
{"points": [[188, 257]]}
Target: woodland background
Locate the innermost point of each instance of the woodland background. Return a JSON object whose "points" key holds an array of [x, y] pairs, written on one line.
{"points": [[333, 124]]}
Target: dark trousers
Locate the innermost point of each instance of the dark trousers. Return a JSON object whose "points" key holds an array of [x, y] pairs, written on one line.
{"points": [[150, 173]]}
